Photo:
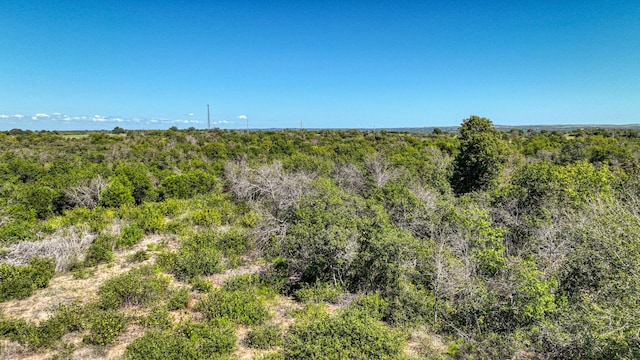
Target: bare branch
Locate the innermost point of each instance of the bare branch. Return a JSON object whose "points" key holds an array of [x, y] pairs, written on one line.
{"points": [[87, 194], [349, 177], [65, 246], [380, 170]]}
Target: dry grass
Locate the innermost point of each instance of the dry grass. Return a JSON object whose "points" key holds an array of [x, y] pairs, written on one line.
{"points": [[13, 350], [424, 342], [281, 308], [65, 288], [219, 279]]}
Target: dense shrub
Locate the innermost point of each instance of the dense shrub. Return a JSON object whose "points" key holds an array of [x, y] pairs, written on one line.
{"points": [[234, 242], [245, 282], [188, 184], [178, 299], [149, 217], [101, 250], [197, 256], [264, 336], [137, 174], [130, 235], [206, 217], [544, 265], [137, 287], [104, 327], [40, 199], [371, 304], [238, 306], [119, 192], [200, 284], [158, 318], [318, 292], [188, 341], [18, 282], [481, 158], [350, 335], [48, 332], [14, 231]]}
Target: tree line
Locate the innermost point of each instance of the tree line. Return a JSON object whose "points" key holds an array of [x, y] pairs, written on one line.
{"points": [[519, 244]]}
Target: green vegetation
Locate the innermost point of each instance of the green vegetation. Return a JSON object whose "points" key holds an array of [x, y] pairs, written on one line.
{"points": [[104, 327], [140, 286], [324, 244], [197, 256], [18, 282], [265, 336], [187, 341], [238, 306], [481, 156], [316, 334]]}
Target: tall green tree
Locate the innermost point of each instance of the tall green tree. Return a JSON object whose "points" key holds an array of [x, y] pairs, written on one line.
{"points": [[481, 158]]}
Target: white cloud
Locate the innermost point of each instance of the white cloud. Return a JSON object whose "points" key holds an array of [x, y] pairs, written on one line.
{"points": [[40, 116], [57, 119]]}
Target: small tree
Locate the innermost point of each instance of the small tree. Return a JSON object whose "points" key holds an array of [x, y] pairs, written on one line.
{"points": [[481, 158]]}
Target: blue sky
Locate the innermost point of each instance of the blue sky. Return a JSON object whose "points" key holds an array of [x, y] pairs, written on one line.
{"points": [[155, 64]]}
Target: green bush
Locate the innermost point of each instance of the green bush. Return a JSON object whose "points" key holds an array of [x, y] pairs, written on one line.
{"points": [[200, 284], [101, 250], [14, 231], [371, 304], [253, 283], [137, 174], [19, 282], [238, 306], [482, 156], [130, 236], [264, 336], [64, 319], [158, 318], [137, 287], [188, 184], [234, 243], [188, 341], [197, 256], [139, 256], [149, 217], [118, 193], [104, 327], [350, 335], [245, 282], [318, 292], [41, 200], [14, 329], [178, 299], [410, 304], [206, 217]]}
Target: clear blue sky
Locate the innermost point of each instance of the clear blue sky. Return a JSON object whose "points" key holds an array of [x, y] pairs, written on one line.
{"points": [[154, 64]]}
